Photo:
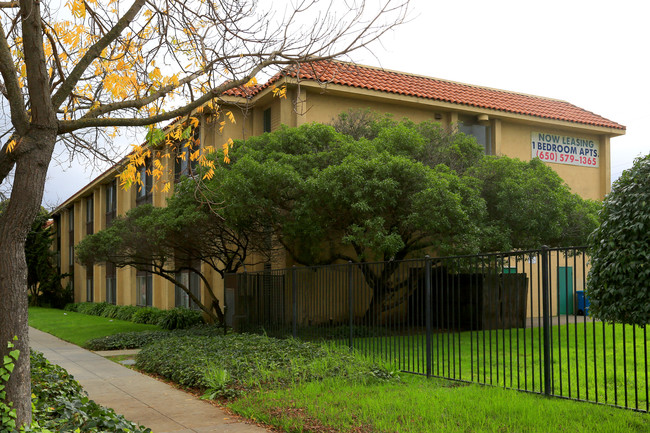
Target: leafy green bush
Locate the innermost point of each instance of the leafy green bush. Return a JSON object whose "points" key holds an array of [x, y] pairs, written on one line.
{"points": [[110, 311], [148, 315], [61, 404], [126, 312], [180, 318], [92, 308], [619, 280], [251, 361], [71, 307], [176, 318]]}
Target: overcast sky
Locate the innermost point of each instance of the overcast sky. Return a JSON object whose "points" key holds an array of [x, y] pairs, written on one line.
{"points": [[592, 54]]}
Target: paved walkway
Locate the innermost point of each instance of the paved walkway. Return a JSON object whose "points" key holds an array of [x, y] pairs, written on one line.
{"points": [[138, 397]]}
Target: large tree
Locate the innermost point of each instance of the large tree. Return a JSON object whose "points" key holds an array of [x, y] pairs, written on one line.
{"points": [[43, 275], [619, 279], [325, 196], [393, 191], [180, 237], [67, 75]]}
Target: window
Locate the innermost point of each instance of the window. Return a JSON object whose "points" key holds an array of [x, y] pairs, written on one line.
{"points": [[143, 192], [111, 202], [482, 132], [71, 242], [90, 215], [183, 165], [90, 293], [192, 281], [71, 218], [57, 222], [267, 120], [143, 288], [111, 284]]}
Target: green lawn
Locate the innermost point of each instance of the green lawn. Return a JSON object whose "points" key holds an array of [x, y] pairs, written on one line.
{"points": [[78, 328], [429, 405], [590, 361]]}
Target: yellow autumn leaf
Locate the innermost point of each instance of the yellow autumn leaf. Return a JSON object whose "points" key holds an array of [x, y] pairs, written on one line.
{"points": [[10, 146], [77, 7], [209, 174], [166, 187], [251, 83]]}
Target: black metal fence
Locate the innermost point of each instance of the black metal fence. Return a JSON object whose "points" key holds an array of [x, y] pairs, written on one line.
{"points": [[517, 320]]}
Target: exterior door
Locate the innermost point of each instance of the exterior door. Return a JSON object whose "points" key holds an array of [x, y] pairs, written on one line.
{"points": [[565, 289]]}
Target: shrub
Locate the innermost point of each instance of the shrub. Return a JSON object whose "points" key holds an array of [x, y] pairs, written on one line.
{"points": [[92, 308], [180, 318], [110, 311], [126, 312], [148, 315], [619, 279], [71, 307]]}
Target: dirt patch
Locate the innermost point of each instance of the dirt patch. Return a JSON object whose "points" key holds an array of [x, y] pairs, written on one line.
{"points": [[313, 425]]}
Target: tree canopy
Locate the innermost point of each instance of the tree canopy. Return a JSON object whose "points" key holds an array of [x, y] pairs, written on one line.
{"points": [[619, 278], [409, 189]]}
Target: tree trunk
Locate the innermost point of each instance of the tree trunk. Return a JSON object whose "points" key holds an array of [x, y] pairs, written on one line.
{"points": [[15, 222]]}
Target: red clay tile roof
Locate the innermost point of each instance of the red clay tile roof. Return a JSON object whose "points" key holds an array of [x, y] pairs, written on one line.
{"points": [[364, 77]]}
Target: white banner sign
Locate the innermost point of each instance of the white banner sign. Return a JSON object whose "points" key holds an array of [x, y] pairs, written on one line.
{"points": [[564, 149]]}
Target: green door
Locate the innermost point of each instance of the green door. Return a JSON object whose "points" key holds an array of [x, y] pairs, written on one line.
{"points": [[565, 289]]}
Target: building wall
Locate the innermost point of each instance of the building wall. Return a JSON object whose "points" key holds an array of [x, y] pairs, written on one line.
{"points": [[511, 136], [588, 182]]}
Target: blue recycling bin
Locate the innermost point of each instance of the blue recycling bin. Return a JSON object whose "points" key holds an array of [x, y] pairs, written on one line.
{"points": [[583, 303]]}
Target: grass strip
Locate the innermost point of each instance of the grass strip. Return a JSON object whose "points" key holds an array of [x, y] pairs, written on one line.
{"points": [[78, 328], [420, 405]]}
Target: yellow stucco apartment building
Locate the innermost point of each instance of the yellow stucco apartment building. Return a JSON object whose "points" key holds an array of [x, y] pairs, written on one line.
{"points": [[573, 141]]}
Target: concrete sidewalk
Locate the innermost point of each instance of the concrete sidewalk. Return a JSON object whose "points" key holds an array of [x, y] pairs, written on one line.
{"points": [[138, 397]]}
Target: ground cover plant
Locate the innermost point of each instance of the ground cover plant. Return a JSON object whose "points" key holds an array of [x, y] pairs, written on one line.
{"points": [[138, 339], [229, 364], [58, 402], [77, 328], [61, 404]]}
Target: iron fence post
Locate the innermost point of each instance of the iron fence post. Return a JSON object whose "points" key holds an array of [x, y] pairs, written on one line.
{"points": [[546, 313], [351, 303], [294, 301], [427, 309]]}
